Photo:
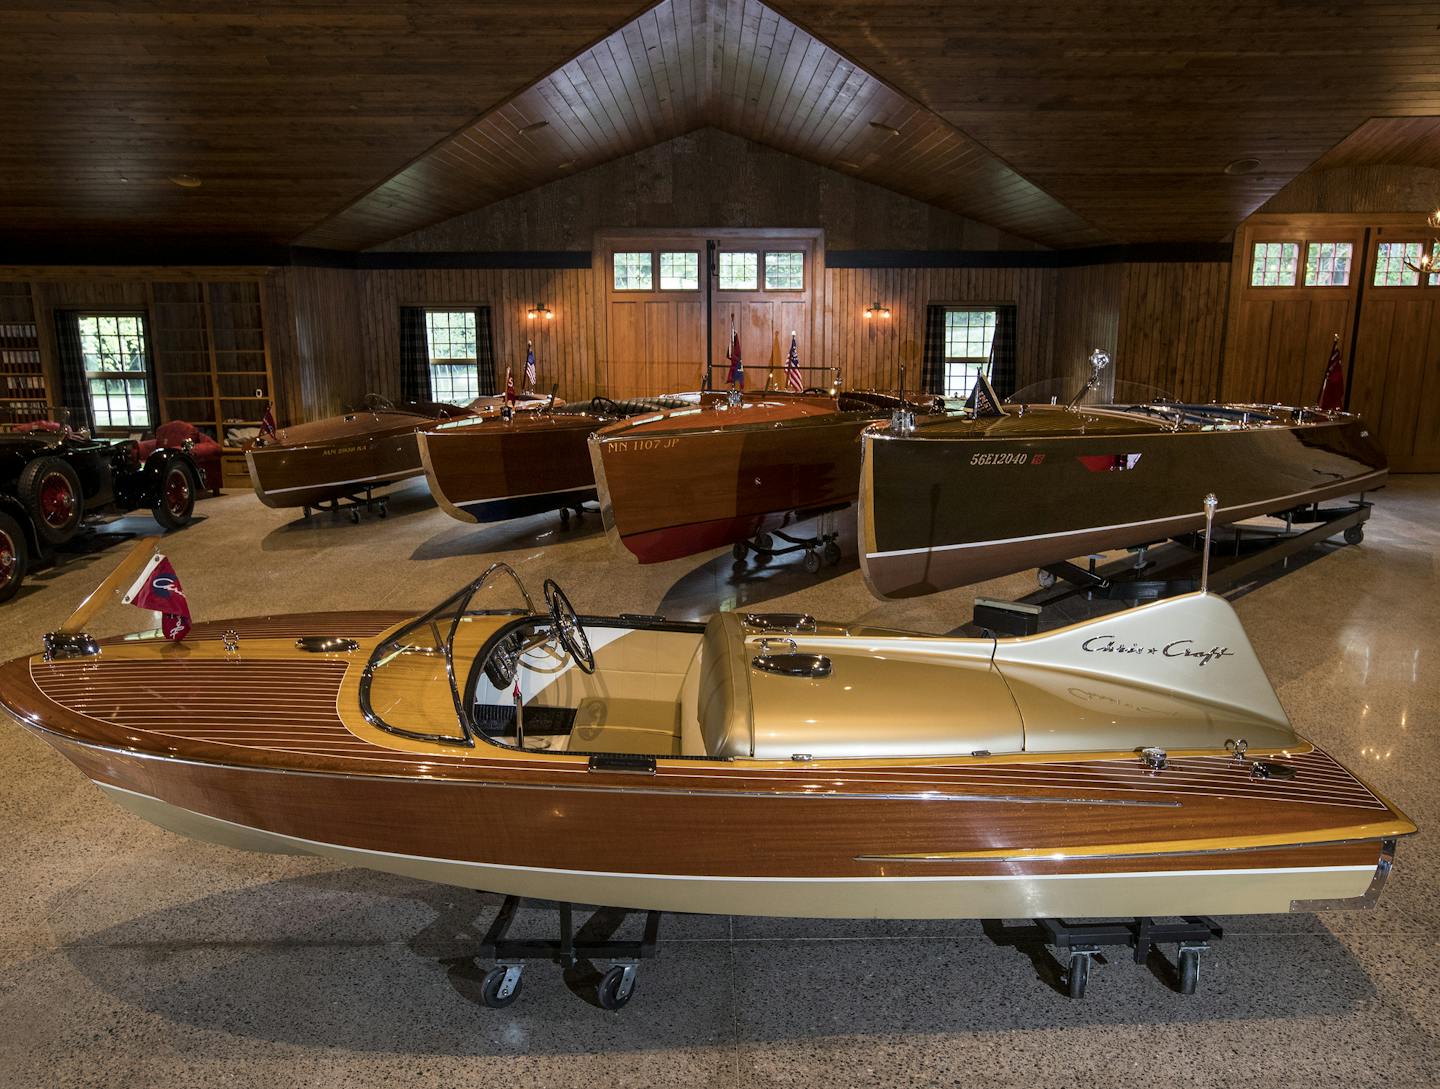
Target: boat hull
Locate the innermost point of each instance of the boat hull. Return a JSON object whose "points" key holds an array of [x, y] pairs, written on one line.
{"points": [[309, 474], [669, 494], [495, 470], [937, 513]]}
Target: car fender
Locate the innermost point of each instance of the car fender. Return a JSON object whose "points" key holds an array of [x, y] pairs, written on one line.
{"points": [[16, 510], [156, 466]]}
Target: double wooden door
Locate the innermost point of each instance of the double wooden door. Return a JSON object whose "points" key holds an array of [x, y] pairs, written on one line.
{"points": [[763, 285]]}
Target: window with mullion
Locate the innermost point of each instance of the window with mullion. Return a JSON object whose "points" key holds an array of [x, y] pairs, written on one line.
{"points": [[739, 270], [969, 336], [1327, 264], [1273, 264], [117, 370], [1391, 269], [454, 371], [634, 270]]}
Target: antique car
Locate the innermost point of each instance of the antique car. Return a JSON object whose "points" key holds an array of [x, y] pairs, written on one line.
{"points": [[53, 479]]}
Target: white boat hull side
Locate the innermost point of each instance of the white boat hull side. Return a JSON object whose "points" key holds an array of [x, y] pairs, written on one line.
{"points": [[1204, 892]]}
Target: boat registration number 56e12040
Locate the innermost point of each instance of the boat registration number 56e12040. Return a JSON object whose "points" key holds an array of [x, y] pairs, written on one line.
{"points": [[1020, 458]]}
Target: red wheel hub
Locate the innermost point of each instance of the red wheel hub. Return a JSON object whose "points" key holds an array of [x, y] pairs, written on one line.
{"points": [[57, 501], [7, 559], [177, 492]]}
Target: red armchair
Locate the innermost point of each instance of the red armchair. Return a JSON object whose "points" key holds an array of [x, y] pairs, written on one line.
{"points": [[205, 451]]}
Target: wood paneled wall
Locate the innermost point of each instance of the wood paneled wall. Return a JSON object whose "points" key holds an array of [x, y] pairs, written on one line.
{"points": [[1359, 190], [1171, 330], [713, 179]]}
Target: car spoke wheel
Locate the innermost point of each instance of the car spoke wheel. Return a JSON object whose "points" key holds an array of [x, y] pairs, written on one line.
{"points": [[178, 493], [13, 557], [8, 559], [57, 500]]}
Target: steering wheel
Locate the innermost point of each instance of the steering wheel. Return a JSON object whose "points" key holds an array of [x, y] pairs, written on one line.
{"points": [[567, 627]]}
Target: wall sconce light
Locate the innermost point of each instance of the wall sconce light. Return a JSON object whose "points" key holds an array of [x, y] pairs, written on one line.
{"points": [[539, 310], [875, 310]]}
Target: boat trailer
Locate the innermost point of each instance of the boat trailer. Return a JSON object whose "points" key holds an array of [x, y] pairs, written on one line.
{"points": [[820, 550], [354, 503], [1078, 944], [502, 983]]}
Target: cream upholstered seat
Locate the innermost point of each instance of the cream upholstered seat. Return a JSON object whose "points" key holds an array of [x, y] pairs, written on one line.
{"points": [[724, 697]]}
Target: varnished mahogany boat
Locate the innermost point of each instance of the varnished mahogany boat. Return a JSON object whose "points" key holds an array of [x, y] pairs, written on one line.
{"points": [[684, 481], [957, 499], [342, 456], [757, 764], [487, 469]]}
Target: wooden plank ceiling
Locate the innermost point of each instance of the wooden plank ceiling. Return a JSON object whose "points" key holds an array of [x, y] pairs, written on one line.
{"points": [[1128, 113], [284, 110], [684, 64], [1388, 141]]}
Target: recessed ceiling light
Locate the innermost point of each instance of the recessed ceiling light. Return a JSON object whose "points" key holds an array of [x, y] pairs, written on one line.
{"points": [[535, 126], [1242, 166], [186, 181], [885, 126]]}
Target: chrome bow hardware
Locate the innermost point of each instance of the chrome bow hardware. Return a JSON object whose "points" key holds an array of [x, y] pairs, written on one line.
{"points": [[1154, 758], [793, 664], [63, 644], [1237, 749], [230, 641]]}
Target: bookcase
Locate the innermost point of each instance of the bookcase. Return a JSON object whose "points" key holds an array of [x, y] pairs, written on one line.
{"points": [[23, 393], [212, 361]]}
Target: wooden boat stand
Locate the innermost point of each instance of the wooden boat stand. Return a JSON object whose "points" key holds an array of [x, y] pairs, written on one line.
{"points": [[354, 503], [823, 549], [1238, 555], [1079, 944], [502, 983]]}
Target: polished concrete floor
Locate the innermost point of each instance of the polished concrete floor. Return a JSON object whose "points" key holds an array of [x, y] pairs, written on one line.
{"points": [[131, 957]]}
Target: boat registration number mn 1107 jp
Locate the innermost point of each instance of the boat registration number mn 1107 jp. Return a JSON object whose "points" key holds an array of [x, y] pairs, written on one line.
{"points": [[622, 446]]}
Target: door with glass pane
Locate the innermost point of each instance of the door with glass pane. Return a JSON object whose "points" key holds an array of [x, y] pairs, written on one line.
{"points": [[661, 289]]}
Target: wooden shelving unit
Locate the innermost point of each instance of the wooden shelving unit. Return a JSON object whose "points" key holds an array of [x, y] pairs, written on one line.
{"points": [[23, 393], [212, 361]]}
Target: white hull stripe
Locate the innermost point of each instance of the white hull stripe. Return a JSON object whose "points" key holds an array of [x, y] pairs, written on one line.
{"points": [[340, 483], [321, 846], [1278, 501]]}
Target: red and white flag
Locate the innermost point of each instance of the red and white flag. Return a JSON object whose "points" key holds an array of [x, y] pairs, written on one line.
{"points": [[736, 375], [267, 423], [1332, 389], [510, 386], [158, 589]]}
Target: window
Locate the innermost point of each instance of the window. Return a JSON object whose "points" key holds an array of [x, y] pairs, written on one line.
{"points": [[968, 337], [679, 271], [1274, 264], [454, 376], [116, 370], [1390, 258], [1327, 264], [739, 271], [634, 271], [784, 271]]}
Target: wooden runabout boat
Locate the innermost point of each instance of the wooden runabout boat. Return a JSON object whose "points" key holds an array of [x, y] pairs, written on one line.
{"points": [[1138, 765], [487, 469], [958, 499], [691, 479], [342, 457]]}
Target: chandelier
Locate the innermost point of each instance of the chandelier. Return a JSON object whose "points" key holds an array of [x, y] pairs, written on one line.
{"points": [[1428, 262]]}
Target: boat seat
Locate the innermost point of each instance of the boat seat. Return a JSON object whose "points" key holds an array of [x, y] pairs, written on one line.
{"points": [[724, 696], [692, 739], [617, 724]]}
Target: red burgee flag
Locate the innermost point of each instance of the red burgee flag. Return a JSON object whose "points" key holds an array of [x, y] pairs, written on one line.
{"points": [[792, 366], [736, 377], [158, 589], [510, 386], [1332, 390]]}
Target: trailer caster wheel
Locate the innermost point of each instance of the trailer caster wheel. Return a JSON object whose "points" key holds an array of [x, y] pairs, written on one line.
{"points": [[832, 553], [765, 542], [307, 511], [383, 511], [616, 986], [1046, 579], [811, 563], [740, 550], [1354, 534], [355, 516], [564, 518], [501, 986], [1189, 969], [1078, 977]]}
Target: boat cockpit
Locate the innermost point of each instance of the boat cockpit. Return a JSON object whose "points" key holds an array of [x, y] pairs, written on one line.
{"points": [[773, 687]]}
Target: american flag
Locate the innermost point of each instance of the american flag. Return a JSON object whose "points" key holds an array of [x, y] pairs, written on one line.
{"points": [[792, 366], [736, 377], [530, 363], [1332, 389]]}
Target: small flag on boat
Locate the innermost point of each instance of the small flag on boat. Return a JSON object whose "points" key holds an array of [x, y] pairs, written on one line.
{"points": [[510, 386], [530, 363], [158, 589], [1332, 389], [792, 366], [983, 398], [736, 376], [267, 423]]}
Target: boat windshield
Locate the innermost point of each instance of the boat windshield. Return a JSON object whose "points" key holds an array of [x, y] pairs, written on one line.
{"points": [[409, 686], [1058, 391]]}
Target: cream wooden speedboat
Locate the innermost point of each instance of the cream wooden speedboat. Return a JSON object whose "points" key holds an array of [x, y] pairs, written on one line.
{"points": [[762, 764]]}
